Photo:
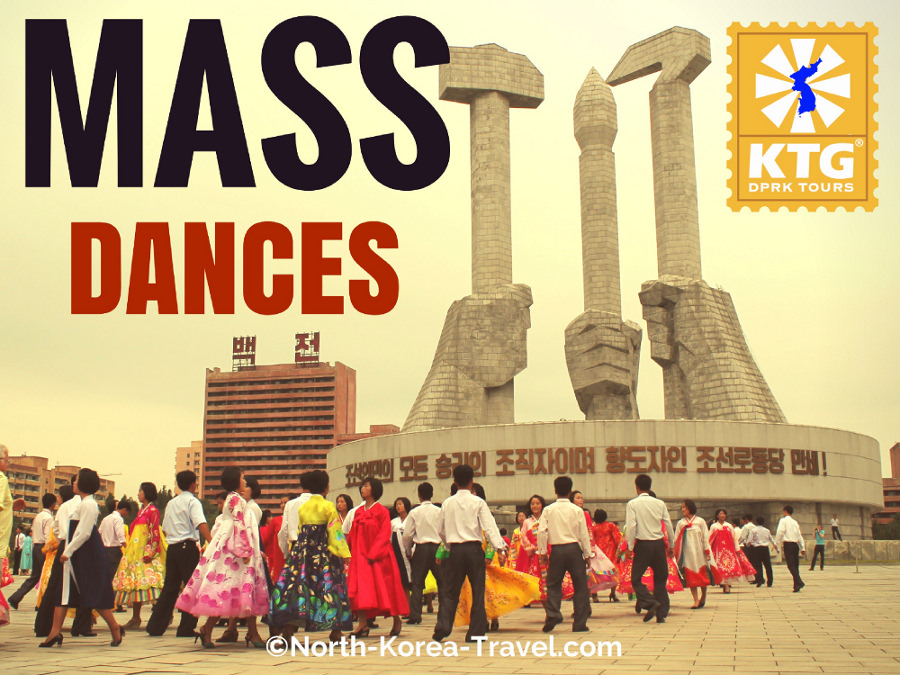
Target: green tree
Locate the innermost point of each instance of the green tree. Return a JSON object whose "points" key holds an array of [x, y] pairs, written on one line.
{"points": [[890, 530]]}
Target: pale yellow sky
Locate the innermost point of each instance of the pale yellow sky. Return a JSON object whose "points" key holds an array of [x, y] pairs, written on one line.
{"points": [[814, 291]]}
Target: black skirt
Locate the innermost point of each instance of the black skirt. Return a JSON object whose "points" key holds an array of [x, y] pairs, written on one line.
{"points": [[91, 586]]}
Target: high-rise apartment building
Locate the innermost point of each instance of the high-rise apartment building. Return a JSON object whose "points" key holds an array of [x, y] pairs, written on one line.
{"points": [[275, 422]]}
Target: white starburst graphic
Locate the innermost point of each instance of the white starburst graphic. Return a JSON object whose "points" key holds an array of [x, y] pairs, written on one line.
{"points": [[825, 88]]}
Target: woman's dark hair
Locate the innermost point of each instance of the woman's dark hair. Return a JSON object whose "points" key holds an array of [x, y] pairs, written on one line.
{"points": [[66, 493], [375, 485], [531, 499], [479, 490], [150, 493], [573, 493], [347, 500], [231, 479], [406, 504], [718, 511], [600, 516], [265, 517], [690, 506], [88, 481], [253, 484], [317, 482]]}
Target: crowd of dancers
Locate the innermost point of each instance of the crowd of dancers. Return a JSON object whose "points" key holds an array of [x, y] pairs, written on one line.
{"points": [[335, 567]]}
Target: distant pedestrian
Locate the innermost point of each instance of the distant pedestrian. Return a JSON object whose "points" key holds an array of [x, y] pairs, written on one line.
{"points": [[819, 549], [41, 529], [18, 545], [793, 546], [835, 531], [26, 562]]}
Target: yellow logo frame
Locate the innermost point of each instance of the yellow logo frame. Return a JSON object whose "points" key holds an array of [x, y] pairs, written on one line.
{"points": [[784, 154]]}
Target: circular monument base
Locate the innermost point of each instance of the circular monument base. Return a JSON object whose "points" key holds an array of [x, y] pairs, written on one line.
{"points": [[746, 467]]}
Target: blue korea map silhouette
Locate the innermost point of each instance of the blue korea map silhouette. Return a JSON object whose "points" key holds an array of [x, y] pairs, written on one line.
{"points": [[807, 97]]}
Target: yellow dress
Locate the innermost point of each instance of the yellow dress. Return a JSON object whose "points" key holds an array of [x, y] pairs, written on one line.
{"points": [[505, 591], [135, 580]]}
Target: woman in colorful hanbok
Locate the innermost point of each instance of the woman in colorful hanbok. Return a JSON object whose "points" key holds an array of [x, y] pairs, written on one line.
{"points": [[230, 580], [374, 579], [505, 590], [312, 590], [730, 560], [515, 544], [692, 553], [142, 569]]}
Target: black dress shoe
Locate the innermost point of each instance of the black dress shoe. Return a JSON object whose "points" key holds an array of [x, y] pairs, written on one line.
{"points": [[439, 635], [660, 619], [413, 622], [581, 629], [550, 624], [13, 603], [91, 634], [651, 611]]}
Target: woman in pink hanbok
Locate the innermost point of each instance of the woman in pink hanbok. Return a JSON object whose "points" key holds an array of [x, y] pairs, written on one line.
{"points": [[230, 580], [730, 560]]}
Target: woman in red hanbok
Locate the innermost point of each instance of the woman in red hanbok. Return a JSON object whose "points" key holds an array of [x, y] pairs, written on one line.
{"points": [[606, 537], [673, 582], [730, 560], [374, 581], [268, 538]]}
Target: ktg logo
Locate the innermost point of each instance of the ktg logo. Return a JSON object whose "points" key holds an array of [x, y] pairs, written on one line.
{"points": [[802, 116]]}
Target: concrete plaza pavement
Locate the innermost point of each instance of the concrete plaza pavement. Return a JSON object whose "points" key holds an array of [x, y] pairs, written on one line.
{"points": [[842, 622]]}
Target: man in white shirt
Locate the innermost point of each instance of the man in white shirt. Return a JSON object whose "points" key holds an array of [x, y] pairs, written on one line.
{"points": [[290, 521], [645, 520], [835, 532], [464, 521], [421, 529], [564, 528], [18, 543], [184, 524], [789, 533], [759, 542], [41, 527], [745, 537]]}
